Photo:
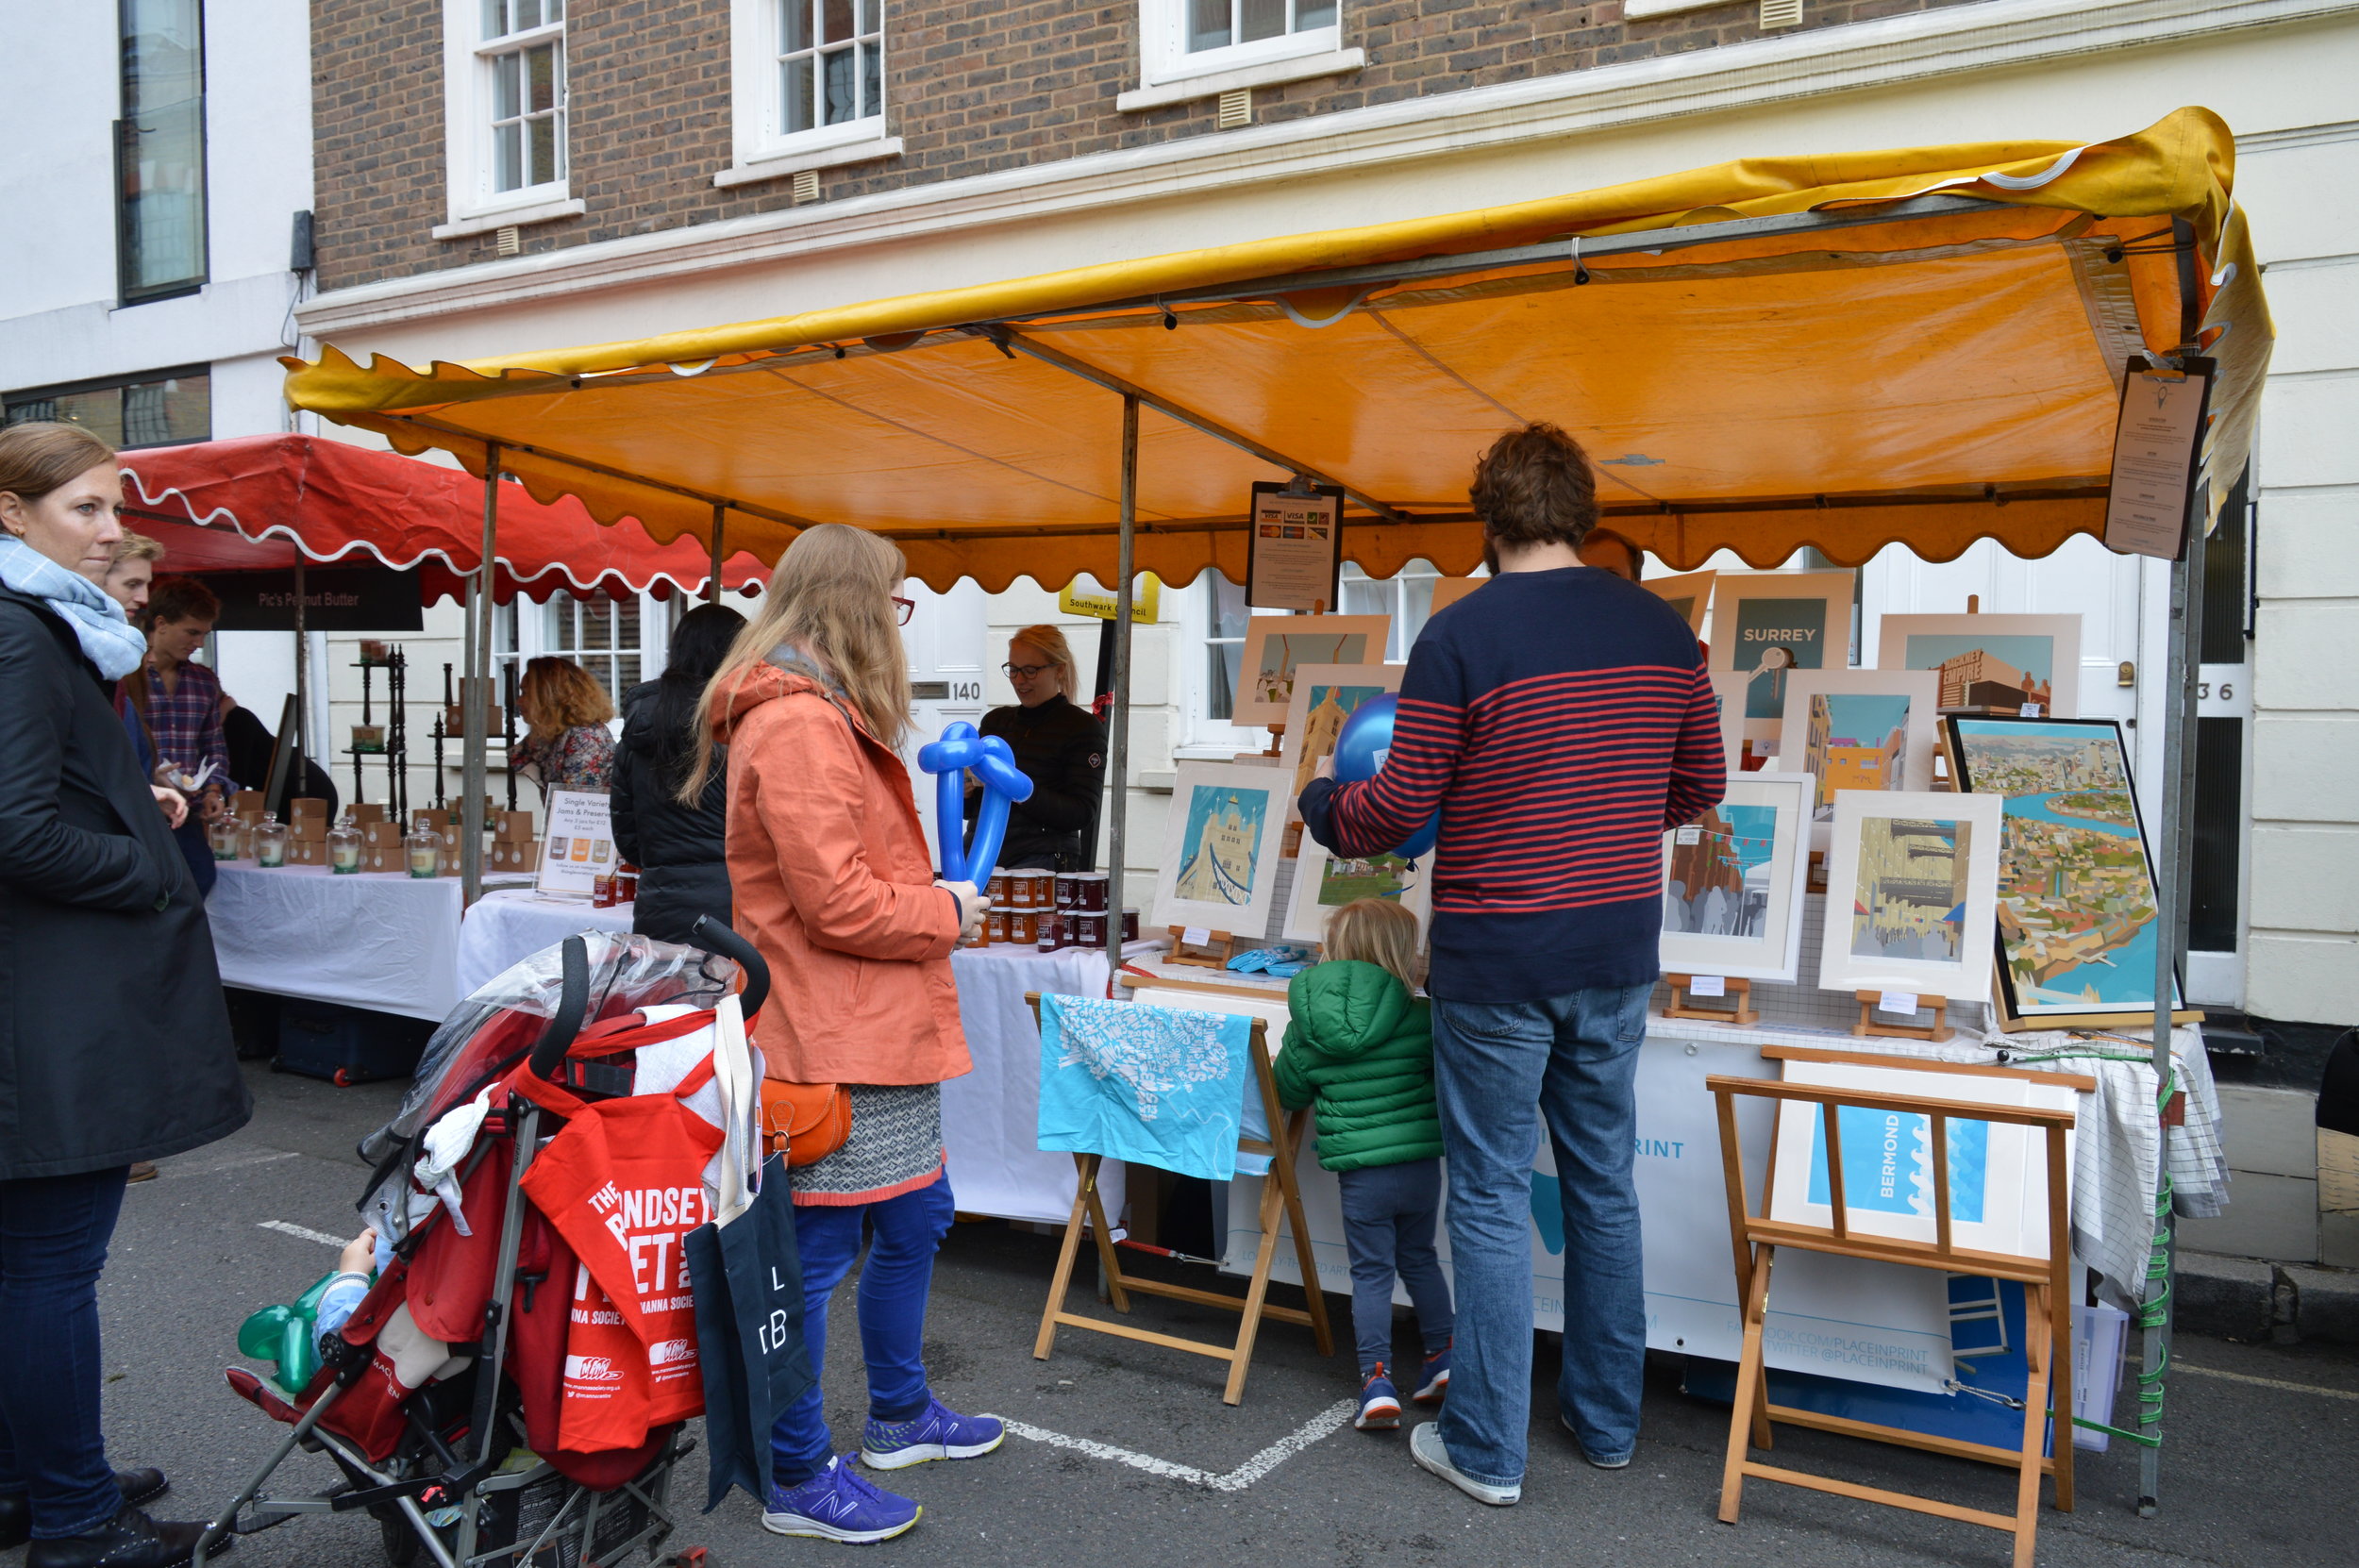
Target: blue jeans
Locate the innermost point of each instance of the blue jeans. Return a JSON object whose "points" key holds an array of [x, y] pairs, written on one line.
{"points": [[891, 1313], [53, 1242], [1498, 1069], [1389, 1215]]}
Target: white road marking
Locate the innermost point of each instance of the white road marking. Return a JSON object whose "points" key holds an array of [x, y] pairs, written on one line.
{"points": [[2263, 1382], [304, 1231], [1325, 1424], [174, 1169]]}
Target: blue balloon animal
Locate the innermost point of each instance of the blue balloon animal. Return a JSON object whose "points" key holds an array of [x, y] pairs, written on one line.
{"points": [[1366, 741], [960, 750]]}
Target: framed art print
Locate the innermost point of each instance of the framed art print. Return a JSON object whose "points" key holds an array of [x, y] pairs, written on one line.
{"points": [[1732, 882], [1729, 686], [1326, 695], [1767, 623], [1276, 645], [1912, 893], [1324, 883], [1689, 593], [1219, 869], [2077, 913], [2028, 665], [1859, 729]]}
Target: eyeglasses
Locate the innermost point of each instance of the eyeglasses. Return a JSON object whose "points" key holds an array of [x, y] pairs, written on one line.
{"points": [[907, 607], [1026, 671]]}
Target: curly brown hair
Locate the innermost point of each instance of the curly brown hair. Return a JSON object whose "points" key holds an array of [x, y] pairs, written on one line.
{"points": [[558, 694], [1535, 487]]}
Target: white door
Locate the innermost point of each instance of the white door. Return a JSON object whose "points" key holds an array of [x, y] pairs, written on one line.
{"points": [[946, 638]]}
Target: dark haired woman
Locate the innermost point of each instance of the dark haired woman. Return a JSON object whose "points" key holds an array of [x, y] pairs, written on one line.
{"points": [[114, 1045], [681, 851]]}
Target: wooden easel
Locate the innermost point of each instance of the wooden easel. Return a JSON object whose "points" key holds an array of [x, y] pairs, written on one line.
{"points": [[1937, 1031], [1281, 1200], [2047, 1301], [1684, 1002]]}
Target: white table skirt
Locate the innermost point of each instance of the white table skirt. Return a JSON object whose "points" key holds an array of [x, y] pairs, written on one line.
{"points": [[379, 940], [509, 925]]}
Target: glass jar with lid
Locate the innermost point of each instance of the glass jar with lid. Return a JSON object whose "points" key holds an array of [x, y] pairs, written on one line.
{"points": [[421, 848], [343, 847], [270, 843], [226, 836]]}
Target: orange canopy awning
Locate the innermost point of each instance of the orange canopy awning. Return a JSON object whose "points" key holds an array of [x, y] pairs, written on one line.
{"points": [[1921, 346]]}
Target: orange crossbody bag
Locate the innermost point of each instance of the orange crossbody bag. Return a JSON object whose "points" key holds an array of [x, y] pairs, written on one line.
{"points": [[804, 1122]]}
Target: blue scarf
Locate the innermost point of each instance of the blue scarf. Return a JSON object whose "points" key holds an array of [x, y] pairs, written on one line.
{"points": [[108, 641]]}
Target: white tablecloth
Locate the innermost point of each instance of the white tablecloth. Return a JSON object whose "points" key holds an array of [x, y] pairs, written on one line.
{"points": [[512, 924], [379, 940]]}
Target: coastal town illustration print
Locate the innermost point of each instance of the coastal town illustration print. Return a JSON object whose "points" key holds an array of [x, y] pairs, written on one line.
{"points": [[2075, 892]]}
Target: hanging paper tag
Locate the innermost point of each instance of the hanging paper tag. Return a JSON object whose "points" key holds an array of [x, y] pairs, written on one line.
{"points": [[1897, 1001], [1690, 834], [1197, 936], [1707, 985]]}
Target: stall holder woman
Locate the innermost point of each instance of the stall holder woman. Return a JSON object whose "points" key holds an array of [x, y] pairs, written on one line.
{"points": [[568, 745], [1058, 746], [834, 885], [113, 1039]]}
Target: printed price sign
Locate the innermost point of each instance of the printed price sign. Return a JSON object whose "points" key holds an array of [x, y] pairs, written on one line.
{"points": [[1294, 550], [1708, 985], [1691, 834], [1898, 1002], [581, 844], [2158, 457]]}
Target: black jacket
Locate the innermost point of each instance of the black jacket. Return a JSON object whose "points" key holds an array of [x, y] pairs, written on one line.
{"points": [[1063, 750], [681, 851], [114, 1044]]}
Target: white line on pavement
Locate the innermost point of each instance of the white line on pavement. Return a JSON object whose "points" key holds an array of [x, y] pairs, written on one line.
{"points": [[226, 1162], [2263, 1382], [304, 1231], [1326, 1422]]}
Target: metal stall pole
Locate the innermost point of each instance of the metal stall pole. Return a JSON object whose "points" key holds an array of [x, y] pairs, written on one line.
{"points": [[303, 670], [720, 527], [476, 691], [1118, 738]]}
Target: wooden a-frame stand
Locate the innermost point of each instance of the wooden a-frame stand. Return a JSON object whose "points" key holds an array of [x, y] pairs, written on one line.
{"points": [[2047, 1306], [1281, 1200]]}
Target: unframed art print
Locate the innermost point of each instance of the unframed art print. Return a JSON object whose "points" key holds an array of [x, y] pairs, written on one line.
{"points": [[1324, 883], [1729, 686], [1277, 646], [1768, 624], [1732, 882], [2076, 887], [1219, 868], [1859, 729], [1325, 696], [2026, 665], [1689, 593], [1912, 886]]}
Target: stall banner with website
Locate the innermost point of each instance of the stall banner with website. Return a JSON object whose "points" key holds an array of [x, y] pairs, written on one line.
{"points": [[580, 843]]}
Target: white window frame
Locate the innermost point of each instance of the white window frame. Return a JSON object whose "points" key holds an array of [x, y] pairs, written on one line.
{"points": [[1169, 74], [759, 146], [530, 631], [474, 206]]}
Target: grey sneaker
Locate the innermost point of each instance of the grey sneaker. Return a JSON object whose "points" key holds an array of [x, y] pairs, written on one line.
{"points": [[1425, 1446], [1622, 1464]]}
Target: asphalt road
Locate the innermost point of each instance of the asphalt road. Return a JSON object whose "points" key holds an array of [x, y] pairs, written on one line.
{"points": [[2263, 1445]]}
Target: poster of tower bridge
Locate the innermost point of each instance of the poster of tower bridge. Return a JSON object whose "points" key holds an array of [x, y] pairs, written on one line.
{"points": [[1221, 845]]}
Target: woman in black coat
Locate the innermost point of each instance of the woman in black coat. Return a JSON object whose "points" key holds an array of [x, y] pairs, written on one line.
{"points": [[681, 850], [1059, 745], [114, 1045]]}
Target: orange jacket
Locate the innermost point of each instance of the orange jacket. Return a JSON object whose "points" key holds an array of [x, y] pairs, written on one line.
{"points": [[833, 886]]}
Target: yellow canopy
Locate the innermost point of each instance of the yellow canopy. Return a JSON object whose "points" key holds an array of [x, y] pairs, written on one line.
{"points": [[1921, 346]]}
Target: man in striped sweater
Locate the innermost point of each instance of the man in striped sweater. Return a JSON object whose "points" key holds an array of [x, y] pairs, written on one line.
{"points": [[1560, 720]]}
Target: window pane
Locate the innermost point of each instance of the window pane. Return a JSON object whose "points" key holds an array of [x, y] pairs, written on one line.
{"points": [[161, 157], [626, 675], [508, 157], [868, 15], [597, 624], [797, 30], [553, 11], [528, 14], [625, 623], [1208, 28], [798, 98], [540, 66], [838, 66], [543, 150], [494, 18], [1260, 19], [507, 85], [836, 18], [1313, 14], [871, 83]]}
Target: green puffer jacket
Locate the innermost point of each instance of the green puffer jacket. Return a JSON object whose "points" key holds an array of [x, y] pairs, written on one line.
{"points": [[1361, 1052]]}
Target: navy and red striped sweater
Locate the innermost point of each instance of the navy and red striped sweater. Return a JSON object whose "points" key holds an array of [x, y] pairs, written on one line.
{"points": [[1561, 721]]}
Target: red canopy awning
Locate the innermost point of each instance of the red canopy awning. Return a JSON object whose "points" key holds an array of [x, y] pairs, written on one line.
{"points": [[250, 503]]}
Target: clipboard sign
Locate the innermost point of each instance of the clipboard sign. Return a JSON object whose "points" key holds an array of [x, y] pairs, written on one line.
{"points": [[580, 843], [1295, 547], [2158, 456]]}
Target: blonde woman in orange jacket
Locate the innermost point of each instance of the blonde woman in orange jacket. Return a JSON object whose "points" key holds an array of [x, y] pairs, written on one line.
{"points": [[834, 887]]}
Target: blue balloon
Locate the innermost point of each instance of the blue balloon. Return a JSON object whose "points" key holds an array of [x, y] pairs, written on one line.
{"points": [[949, 759], [1361, 749]]}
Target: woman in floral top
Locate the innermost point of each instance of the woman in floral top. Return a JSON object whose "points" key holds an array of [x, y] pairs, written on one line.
{"points": [[569, 746]]}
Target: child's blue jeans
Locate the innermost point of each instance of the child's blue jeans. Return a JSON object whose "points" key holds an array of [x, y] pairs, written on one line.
{"points": [[893, 1291], [1390, 1212]]}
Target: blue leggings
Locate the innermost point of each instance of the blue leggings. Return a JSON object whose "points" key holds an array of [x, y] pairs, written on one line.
{"points": [[892, 1289]]}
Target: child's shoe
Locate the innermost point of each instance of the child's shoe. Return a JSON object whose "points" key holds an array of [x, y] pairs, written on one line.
{"points": [[838, 1504], [1380, 1404], [1433, 1382]]}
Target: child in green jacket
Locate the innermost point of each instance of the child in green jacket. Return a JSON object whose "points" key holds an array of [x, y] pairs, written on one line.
{"points": [[1359, 1051]]}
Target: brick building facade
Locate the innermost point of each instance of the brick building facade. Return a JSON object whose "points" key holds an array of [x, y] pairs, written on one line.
{"points": [[973, 87]]}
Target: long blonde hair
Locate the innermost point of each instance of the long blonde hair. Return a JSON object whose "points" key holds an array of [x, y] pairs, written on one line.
{"points": [[1377, 931], [830, 599], [1051, 645]]}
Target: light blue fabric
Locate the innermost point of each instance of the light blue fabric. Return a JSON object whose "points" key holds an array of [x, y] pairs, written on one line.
{"points": [[108, 641], [1157, 1085]]}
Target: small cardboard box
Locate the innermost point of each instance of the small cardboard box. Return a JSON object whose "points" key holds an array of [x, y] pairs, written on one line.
{"points": [[444, 822], [380, 846], [307, 830], [307, 807], [455, 721], [513, 826], [364, 814], [516, 855], [247, 801], [306, 852]]}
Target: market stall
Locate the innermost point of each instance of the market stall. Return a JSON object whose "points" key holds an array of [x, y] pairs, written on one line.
{"points": [[1922, 346]]}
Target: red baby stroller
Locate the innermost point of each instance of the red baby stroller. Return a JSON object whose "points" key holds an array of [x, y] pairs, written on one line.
{"points": [[447, 1402]]}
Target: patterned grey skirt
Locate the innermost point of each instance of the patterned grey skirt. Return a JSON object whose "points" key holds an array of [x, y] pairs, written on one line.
{"points": [[895, 1147]]}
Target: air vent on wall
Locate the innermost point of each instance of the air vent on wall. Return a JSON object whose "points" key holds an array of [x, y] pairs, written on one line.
{"points": [[807, 187], [504, 239], [1780, 13], [1236, 108]]}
